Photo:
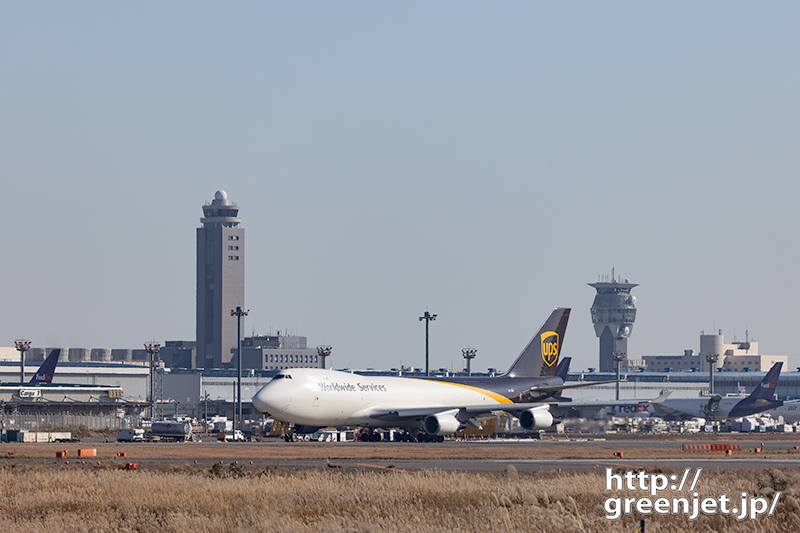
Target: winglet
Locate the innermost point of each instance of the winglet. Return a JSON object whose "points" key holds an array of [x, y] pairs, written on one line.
{"points": [[661, 397]]}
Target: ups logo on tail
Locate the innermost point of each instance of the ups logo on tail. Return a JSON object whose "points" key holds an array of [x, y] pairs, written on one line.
{"points": [[549, 347]]}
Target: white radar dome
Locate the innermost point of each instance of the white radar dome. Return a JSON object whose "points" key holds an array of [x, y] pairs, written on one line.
{"points": [[220, 195]]}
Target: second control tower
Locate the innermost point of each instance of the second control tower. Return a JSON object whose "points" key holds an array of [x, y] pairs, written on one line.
{"points": [[613, 315]]}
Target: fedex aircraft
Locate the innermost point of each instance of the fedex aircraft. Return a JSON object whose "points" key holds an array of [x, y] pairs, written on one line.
{"points": [[722, 408], [429, 408], [45, 372]]}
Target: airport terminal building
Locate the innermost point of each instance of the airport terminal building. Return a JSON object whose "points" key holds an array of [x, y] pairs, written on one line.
{"points": [[739, 356]]}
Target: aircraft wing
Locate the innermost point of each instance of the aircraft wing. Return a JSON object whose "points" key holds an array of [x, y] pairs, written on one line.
{"points": [[592, 408], [465, 412], [557, 388], [667, 412]]}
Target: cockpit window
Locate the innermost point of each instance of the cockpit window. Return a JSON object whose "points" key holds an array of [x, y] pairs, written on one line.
{"points": [[282, 376]]}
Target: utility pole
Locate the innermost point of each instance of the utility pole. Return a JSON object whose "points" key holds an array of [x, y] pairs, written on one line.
{"points": [[238, 313], [427, 317], [23, 345], [152, 348], [618, 358]]}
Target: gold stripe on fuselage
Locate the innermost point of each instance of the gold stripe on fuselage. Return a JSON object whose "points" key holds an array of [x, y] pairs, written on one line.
{"points": [[499, 398]]}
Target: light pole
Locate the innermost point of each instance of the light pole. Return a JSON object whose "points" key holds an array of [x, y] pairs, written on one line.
{"points": [[469, 355], [427, 317], [23, 345], [712, 359], [152, 348], [618, 358], [238, 313], [205, 420], [324, 352]]}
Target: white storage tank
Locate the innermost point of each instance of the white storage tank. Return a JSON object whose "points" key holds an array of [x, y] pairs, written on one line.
{"points": [[79, 355], [121, 354], [101, 354], [63, 357], [34, 355], [712, 344]]}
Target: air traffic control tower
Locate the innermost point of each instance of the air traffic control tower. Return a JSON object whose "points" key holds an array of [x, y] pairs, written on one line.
{"points": [[613, 314], [220, 281]]}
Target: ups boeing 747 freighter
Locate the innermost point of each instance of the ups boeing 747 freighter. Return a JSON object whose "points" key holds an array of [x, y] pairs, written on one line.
{"points": [[429, 408]]}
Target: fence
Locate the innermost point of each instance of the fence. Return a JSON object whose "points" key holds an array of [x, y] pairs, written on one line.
{"points": [[40, 422]]}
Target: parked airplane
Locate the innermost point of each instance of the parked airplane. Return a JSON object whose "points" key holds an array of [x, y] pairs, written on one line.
{"points": [[790, 411], [721, 408], [562, 407], [605, 408], [312, 398]]}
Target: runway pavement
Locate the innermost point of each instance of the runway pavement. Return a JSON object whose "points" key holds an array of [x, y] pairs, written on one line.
{"points": [[470, 456]]}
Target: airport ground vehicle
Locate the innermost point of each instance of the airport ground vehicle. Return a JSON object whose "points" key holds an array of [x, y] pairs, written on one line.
{"points": [[231, 436], [130, 435], [170, 430]]}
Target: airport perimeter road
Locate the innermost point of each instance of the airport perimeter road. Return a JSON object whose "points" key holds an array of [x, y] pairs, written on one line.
{"points": [[525, 455]]}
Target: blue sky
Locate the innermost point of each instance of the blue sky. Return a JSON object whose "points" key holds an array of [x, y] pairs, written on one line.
{"points": [[481, 161]]}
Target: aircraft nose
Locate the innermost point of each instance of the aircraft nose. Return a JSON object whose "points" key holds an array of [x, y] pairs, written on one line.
{"points": [[261, 400]]}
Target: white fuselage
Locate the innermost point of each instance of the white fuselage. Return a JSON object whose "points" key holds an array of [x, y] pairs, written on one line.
{"points": [[697, 407], [317, 397], [790, 411]]}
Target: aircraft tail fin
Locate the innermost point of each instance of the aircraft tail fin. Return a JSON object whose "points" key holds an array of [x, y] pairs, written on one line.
{"points": [[540, 356], [766, 389], [761, 398], [563, 368], [48, 368]]}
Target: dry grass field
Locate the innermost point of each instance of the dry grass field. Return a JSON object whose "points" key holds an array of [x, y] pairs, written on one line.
{"points": [[48, 497], [561, 449], [170, 492]]}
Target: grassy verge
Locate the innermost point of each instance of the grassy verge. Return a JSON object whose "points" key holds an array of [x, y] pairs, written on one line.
{"points": [[232, 498]]}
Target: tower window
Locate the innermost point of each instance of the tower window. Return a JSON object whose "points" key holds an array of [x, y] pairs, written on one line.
{"points": [[233, 258], [233, 237]]}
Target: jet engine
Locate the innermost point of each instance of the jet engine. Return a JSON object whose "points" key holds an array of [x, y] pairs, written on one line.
{"points": [[441, 424], [537, 418]]}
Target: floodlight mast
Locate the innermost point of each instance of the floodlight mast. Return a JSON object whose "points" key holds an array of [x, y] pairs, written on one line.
{"points": [[23, 345], [427, 317], [469, 355], [618, 358], [712, 359], [152, 348], [324, 352], [238, 313]]}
